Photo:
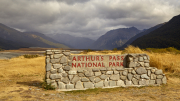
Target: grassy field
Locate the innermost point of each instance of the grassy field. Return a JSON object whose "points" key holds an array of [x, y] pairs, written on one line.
{"points": [[21, 79]]}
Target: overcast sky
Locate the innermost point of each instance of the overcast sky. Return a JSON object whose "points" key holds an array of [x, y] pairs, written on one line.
{"points": [[86, 18]]}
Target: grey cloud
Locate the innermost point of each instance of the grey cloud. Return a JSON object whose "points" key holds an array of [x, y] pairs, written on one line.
{"points": [[88, 18]]}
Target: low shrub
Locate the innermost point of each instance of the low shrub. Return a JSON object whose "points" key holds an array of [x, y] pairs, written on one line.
{"points": [[47, 86]]}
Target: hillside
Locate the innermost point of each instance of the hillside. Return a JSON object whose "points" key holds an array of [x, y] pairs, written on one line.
{"points": [[114, 38], [147, 31], [167, 35], [13, 39], [72, 41]]}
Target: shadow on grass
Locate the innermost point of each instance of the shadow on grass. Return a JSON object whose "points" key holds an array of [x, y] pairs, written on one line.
{"points": [[34, 83]]}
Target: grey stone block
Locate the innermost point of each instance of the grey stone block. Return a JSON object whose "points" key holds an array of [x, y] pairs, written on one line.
{"points": [[142, 82], [88, 74], [146, 61], [60, 70], [159, 76], [54, 84], [47, 60], [153, 76], [141, 64], [65, 80], [95, 70], [75, 79], [116, 72], [109, 72], [129, 76], [47, 75], [120, 83], [53, 76], [67, 68], [97, 80], [146, 64], [54, 60], [114, 77], [158, 81], [53, 71], [84, 79], [103, 72], [48, 81], [135, 81], [136, 60], [80, 74], [133, 72], [144, 76], [164, 80], [141, 59], [91, 79], [79, 85], [153, 70], [145, 58], [63, 59], [57, 56], [72, 72], [119, 69], [64, 74], [128, 83], [48, 66], [151, 82], [56, 66], [58, 76], [123, 77], [149, 73], [61, 85], [103, 77], [125, 73], [99, 84], [97, 73], [141, 70], [88, 85], [106, 83], [70, 77], [69, 86], [158, 72], [112, 83], [137, 76]]}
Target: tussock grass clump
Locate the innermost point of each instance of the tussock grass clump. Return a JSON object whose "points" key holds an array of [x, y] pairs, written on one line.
{"points": [[132, 49], [163, 50], [47, 86], [30, 56]]}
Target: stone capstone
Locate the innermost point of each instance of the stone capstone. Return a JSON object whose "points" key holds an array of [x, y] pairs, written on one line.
{"points": [[49, 53], [56, 56], [99, 84], [48, 67], [79, 85], [63, 59], [141, 70], [88, 85]]}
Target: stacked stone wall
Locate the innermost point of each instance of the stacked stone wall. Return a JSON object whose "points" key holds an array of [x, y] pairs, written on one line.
{"points": [[135, 72]]}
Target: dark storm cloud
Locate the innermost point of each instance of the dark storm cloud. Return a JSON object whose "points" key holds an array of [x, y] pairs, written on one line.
{"points": [[89, 18]]}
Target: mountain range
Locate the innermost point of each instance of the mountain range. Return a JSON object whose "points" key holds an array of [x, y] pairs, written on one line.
{"points": [[13, 39], [168, 35], [114, 38]]}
